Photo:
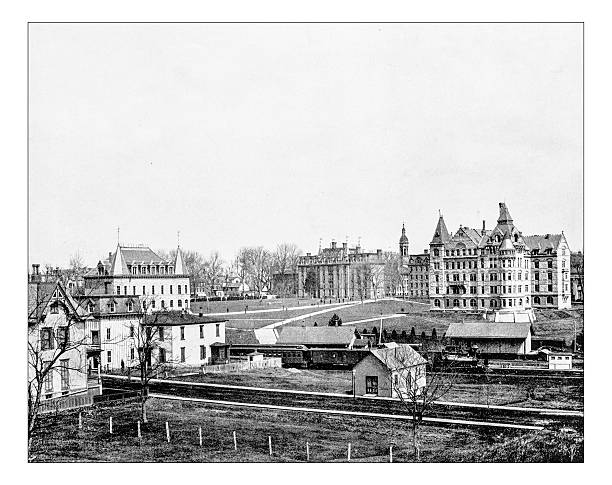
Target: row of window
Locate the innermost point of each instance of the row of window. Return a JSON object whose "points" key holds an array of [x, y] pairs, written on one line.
{"points": [[150, 269], [160, 332], [112, 306], [180, 290], [509, 302]]}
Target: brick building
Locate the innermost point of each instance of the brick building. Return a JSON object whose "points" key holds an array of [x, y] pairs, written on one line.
{"points": [[341, 273]]}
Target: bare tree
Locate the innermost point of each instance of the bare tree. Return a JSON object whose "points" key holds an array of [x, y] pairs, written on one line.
{"points": [[417, 384], [284, 261], [256, 267], [392, 277], [212, 272], [195, 265], [363, 279], [153, 341]]}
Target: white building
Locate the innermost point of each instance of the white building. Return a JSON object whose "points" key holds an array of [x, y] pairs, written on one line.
{"points": [[386, 372]]}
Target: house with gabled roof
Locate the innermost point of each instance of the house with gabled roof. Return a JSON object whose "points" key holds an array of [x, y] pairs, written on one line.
{"points": [[389, 371], [58, 349]]}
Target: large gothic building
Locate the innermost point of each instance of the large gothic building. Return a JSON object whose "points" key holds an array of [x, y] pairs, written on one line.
{"points": [[498, 269]]}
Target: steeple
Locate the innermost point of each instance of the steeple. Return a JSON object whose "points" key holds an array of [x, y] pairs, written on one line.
{"points": [[403, 243], [179, 265], [118, 265], [441, 233]]}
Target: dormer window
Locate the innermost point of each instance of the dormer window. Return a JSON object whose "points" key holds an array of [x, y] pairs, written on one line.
{"points": [[130, 306], [91, 307], [112, 307], [55, 307]]}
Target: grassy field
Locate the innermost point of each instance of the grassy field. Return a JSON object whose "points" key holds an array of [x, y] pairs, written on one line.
{"points": [[239, 305], [499, 390], [328, 436]]}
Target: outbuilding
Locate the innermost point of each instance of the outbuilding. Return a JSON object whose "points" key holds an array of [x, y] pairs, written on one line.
{"points": [[387, 372], [494, 339], [559, 360]]}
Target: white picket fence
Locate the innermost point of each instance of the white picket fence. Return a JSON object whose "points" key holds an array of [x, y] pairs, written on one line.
{"points": [[239, 366]]}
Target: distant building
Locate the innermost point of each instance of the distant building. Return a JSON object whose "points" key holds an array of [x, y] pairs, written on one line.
{"points": [[341, 273], [550, 271], [387, 372], [414, 271], [559, 360], [498, 270], [577, 276], [492, 338]]}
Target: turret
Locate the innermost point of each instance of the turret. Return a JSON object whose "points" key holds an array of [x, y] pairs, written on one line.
{"points": [[403, 243]]}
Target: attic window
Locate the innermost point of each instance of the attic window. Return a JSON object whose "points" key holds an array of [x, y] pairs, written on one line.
{"points": [[54, 308], [90, 307]]}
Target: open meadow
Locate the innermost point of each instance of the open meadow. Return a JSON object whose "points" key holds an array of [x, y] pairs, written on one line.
{"points": [[328, 437], [549, 392]]}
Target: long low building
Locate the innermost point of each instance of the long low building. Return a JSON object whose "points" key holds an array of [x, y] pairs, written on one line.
{"points": [[492, 338]]}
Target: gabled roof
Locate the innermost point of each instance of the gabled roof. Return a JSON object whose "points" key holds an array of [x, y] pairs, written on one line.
{"points": [[401, 356], [40, 295], [317, 335], [441, 233], [485, 330]]}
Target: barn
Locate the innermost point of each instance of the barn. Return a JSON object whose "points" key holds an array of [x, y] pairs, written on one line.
{"points": [[385, 372], [492, 339]]}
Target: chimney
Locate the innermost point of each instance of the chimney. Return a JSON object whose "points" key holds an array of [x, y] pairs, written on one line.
{"points": [[333, 244], [426, 251], [379, 252], [483, 227], [35, 276], [344, 245]]}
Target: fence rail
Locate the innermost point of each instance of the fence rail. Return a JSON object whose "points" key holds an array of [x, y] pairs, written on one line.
{"points": [[66, 402], [245, 365]]}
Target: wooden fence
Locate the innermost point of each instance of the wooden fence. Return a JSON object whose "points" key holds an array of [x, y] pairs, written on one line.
{"points": [[245, 365], [66, 402]]}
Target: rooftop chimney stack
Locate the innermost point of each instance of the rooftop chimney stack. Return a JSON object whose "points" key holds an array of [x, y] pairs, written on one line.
{"points": [[483, 227]]}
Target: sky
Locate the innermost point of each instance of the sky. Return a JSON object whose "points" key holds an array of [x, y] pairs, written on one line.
{"points": [[256, 134]]}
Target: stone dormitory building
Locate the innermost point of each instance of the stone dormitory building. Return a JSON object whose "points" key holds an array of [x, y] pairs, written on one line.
{"points": [[498, 269], [341, 273]]}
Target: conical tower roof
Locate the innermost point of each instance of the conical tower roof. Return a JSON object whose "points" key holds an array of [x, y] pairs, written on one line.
{"points": [[118, 265], [179, 265], [441, 233], [404, 238]]}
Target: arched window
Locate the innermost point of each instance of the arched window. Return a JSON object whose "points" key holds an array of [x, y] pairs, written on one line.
{"points": [[436, 252], [437, 303], [472, 302], [520, 302], [455, 302], [549, 300], [536, 300]]}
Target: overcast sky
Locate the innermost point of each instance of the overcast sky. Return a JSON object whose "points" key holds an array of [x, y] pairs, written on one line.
{"points": [[257, 134]]}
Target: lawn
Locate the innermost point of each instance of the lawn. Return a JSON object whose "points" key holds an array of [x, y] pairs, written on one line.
{"points": [[239, 305], [558, 393], [328, 436]]}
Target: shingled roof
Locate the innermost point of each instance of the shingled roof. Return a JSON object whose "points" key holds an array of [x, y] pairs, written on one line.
{"points": [[548, 241], [486, 330], [401, 356]]}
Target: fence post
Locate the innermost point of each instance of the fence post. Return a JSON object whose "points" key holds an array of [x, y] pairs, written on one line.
{"points": [[349, 452], [391, 454], [167, 431], [307, 452], [110, 424], [80, 421], [270, 444], [139, 435], [235, 443], [200, 432]]}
